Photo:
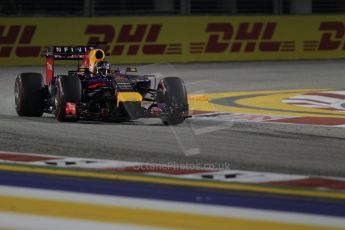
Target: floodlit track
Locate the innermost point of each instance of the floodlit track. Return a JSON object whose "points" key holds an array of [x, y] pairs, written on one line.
{"points": [[300, 149]]}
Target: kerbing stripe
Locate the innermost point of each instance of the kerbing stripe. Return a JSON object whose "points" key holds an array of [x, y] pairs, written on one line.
{"points": [[173, 181], [179, 207], [113, 214]]}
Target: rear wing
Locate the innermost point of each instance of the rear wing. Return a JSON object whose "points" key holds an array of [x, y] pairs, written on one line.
{"points": [[63, 53]]}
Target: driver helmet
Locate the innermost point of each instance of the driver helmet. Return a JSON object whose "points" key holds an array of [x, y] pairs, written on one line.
{"points": [[102, 67]]}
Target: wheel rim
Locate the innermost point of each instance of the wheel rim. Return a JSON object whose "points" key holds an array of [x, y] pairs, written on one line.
{"points": [[56, 101], [17, 97]]}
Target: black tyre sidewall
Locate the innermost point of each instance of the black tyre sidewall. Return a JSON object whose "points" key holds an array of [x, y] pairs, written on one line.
{"points": [[29, 87], [61, 103], [68, 89], [174, 93]]}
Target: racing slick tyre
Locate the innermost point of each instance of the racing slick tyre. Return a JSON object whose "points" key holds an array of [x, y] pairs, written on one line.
{"points": [[172, 92], [68, 90], [28, 92]]}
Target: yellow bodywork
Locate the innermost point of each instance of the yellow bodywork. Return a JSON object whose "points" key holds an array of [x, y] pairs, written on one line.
{"points": [[128, 96]]}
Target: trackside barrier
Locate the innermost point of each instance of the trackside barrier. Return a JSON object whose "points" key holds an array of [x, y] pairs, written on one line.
{"points": [[177, 39]]}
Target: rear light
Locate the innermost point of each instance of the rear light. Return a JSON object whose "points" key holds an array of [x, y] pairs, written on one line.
{"points": [[156, 111], [71, 108]]}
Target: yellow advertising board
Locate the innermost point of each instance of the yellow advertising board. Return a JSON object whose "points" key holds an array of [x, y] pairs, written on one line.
{"points": [[177, 39]]}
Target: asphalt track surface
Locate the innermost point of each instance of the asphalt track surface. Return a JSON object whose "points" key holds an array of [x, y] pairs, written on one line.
{"points": [[299, 149]]}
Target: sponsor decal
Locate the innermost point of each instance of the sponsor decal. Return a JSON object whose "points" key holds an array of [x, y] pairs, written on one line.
{"points": [[16, 40], [325, 100], [131, 39], [246, 37], [176, 39], [333, 34], [49, 66]]}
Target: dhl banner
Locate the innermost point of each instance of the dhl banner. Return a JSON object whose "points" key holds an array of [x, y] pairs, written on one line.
{"points": [[177, 39]]}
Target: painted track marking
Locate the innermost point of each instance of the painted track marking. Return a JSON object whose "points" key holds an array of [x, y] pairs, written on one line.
{"points": [[273, 104]]}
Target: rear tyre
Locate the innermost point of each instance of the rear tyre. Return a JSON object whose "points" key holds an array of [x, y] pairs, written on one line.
{"points": [[68, 89], [172, 92], [28, 91]]}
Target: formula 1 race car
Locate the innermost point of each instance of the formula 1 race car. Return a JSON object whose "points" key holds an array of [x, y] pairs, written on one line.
{"points": [[95, 91]]}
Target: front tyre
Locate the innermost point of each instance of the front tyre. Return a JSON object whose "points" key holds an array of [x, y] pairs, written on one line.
{"points": [[28, 91], [172, 93]]}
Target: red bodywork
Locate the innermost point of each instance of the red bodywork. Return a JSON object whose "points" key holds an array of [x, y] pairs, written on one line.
{"points": [[64, 53], [49, 69]]}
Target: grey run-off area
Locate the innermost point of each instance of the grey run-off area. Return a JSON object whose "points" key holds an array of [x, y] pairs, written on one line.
{"points": [[301, 149]]}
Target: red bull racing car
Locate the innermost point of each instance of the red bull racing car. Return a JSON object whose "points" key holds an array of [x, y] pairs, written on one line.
{"points": [[95, 91]]}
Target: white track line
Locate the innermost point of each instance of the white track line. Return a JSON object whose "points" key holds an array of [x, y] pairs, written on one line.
{"points": [[298, 101], [32, 222], [340, 92], [325, 99]]}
